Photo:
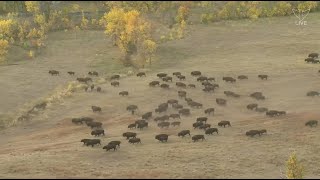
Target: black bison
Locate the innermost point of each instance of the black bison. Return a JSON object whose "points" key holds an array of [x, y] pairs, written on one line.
{"points": [[209, 111], [132, 107], [191, 86], [124, 93], [252, 106], [202, 78], [197, 124], [183, 133], [92, 87], [175, 123], [115, 83], [162, 75], [262, 109], [54, 72], [147, 115], [221, 101], [263, 76], [241, 77], [309, 60], [93, 73], [198, 137], [229, 79], [180, 84], [96, 109], [181, 77], [184, 112], [129, 135], [115, 77], [130, 126], [92, 142], [140, 74], [182, 94], [98, 89], [117, 143], [211, 131], [167, 78], [211, 79], [312, 123], [174, 116], [196, 73], [76, 120], [253, 133], [176, 73], [313, 55], [202, 119], [224, 123], [162, 137], [94, 124], [163, 124], [109, 147], [154, 83], [135, 140], [71, 72], [97, 132], [313, 93], [164, 86]]}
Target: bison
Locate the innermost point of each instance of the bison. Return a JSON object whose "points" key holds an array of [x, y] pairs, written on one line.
{"points": [[124, 93], [211, 131], [313, 93], [241, 77], [229, 79], [191, 86], [115, 83], [183, 133], [147, 115], [209, 111], [135, 140], [92, 142], [312, 123], [221, 101], [198, 137], [176, 73], [115, 77], [263, 76], [313, 55], [164, 86], [184, 112], [162, 137], [224, 123], [253, 133], [162, 75], [163, 124], [154, 83], [140, 74], [181, 77], [129, 135], [97, 132], [96, 109], [180, 84], [175, 123], [71, 72], [109, 147]]}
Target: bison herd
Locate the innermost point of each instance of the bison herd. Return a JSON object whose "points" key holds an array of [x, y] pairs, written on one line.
{"points": [[162, 119]]}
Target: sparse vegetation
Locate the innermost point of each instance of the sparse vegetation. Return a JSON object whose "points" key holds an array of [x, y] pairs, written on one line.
{"points": [[294, 169]]}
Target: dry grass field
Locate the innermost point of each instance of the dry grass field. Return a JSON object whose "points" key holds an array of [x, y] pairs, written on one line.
{"points": [[48, 146]]}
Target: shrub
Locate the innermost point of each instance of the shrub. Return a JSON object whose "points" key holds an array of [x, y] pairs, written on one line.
{"points": [[294, 169]]}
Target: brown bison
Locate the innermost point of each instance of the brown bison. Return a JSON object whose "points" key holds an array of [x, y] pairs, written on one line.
{"points": [[253, 133], [71, 72], [162, 75], [163, 124], [241, 77], [115, 83], [197, 124], [92, 142], [224, 123], [140, 74], [97, 132], [164, 86], [313, 55], [175, 123], [313, 93], [117, 143], [174, 116], [162, 137], [180, 84], [135, 140], [115, 77], [124, 93], [312, 123], [147, 115], [96, 109], [154, 83], [229, 79], [98, 89], [54, 72], [167, 79], [211, 131], [191, 86], [184, 112], [263, 76], [196, 73], [109, 147], [129, 135], [262, 109], [176, 73], [209, 111], [183, 133], [198, 137], [181, 77], [221, 101]]}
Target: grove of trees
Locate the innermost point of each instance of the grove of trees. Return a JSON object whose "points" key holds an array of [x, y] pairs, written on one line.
{"points": [[131, 25]]}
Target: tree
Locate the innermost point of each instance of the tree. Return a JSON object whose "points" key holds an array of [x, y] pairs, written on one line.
{"points": [[4, 45], [149, 48], [294, 169]]}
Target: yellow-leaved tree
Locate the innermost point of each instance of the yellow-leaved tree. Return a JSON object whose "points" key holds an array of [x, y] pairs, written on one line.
{"points": [[294, 169], [128, 30], [148, 50], [307, 5], [5, 37]]}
